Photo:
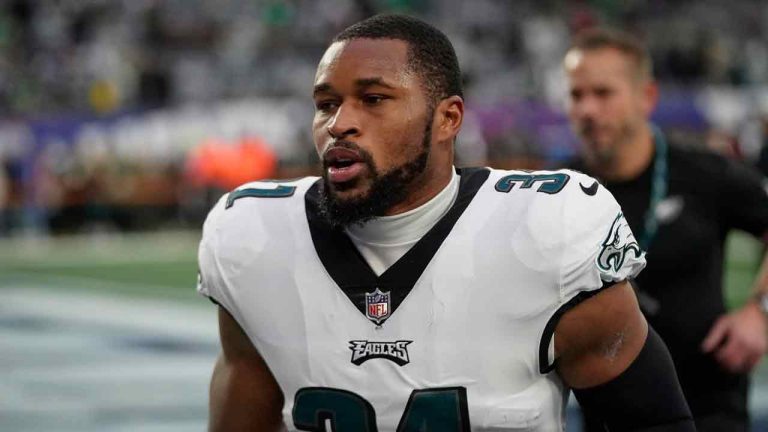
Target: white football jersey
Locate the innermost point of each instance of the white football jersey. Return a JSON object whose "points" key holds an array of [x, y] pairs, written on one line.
{"points": [[457, 335]]}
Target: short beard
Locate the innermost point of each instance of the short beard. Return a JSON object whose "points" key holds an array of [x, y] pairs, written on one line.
{"points": [[607, 157], [386, 190]]}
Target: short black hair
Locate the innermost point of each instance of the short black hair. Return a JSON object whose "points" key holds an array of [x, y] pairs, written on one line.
{"points": [[430, 53]]}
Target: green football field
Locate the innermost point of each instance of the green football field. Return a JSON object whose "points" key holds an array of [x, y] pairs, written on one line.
{"points": [[152, 264]]}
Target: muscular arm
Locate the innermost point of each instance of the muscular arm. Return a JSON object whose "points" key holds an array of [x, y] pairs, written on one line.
{"points": [[598, 339], [618, 367], [244, 394]]}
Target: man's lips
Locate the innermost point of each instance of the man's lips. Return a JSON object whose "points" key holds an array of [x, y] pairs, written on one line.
{"points": [[343, 164], [345, 174]]}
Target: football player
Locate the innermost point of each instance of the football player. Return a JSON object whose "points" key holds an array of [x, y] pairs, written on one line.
{"points": [[398, 292]]}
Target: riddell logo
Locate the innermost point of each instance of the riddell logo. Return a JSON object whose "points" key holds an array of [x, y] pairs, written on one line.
{"points": [[396, 352]]}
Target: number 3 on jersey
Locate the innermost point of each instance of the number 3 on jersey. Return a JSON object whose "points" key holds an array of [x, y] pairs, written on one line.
{"points": [[431, 410], [548, 183]]}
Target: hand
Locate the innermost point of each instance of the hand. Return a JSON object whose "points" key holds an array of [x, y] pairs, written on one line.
{"points": [[738, 339]]}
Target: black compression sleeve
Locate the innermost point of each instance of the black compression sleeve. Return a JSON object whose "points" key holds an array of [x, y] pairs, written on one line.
{"points": [[646, 397]]}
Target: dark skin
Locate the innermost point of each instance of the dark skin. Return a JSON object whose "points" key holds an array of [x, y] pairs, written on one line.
{"points": [[244, 394], [364, 93]]}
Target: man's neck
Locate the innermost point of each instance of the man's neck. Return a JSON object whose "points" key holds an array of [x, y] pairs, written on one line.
{"points": [[630, 160], [432, 183], [384, 240]]}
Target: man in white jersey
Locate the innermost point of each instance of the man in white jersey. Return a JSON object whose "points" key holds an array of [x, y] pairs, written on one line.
{"points": [[399, 293]]}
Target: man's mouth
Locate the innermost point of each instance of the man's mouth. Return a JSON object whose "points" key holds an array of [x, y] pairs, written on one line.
{"points": [[588, 129], [343, 164]]}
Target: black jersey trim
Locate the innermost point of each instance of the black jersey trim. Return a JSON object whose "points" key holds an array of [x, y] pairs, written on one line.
{"points": [[352, 273], [549, 329], [213, 300]]}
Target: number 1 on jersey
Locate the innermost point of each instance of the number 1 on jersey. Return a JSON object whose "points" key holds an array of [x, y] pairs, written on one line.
{"points": [[280, 191], [431, 410]]}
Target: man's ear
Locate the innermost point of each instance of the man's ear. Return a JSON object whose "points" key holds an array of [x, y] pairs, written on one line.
{"points": [[650, 97], [449, 114]]}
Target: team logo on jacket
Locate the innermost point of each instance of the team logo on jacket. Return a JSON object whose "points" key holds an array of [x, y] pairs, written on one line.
{"points": [[363, 350], [617, 245], [377, 306]]}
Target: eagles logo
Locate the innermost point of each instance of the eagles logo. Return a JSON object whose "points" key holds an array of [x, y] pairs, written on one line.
{"points": [[363, 350], [616, 245]]}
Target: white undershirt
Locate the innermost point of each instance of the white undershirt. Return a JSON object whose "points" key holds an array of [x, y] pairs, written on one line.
{"points": [[383, 240]]}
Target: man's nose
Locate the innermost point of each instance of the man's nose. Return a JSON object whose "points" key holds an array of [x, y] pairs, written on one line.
{"points": [[344, 123], [584, 107]]}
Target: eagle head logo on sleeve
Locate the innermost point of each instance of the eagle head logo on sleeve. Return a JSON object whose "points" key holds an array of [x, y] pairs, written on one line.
{"points": [[617, 245]]}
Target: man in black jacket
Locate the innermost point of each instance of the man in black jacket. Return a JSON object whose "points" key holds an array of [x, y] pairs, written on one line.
{"points": [[680, 204]]}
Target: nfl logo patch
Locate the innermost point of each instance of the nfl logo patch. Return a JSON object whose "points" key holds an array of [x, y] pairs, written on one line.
{"points": [[377, 306]]}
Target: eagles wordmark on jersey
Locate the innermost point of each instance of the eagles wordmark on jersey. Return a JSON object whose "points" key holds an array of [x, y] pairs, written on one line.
{"points": [[457, 335], [365, 350]]}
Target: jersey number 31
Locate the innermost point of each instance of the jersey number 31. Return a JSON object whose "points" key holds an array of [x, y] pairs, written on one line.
{"points": [[429, 410]]}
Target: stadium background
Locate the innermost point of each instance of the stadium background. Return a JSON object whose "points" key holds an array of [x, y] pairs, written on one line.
{"points": [[121, 121]]}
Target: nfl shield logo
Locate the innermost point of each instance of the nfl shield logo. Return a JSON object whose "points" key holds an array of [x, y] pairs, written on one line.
{"points": [[377, 306]]}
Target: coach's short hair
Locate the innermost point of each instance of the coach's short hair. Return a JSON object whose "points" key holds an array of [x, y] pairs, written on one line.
{"points": [[599, 38], [430, 53]]}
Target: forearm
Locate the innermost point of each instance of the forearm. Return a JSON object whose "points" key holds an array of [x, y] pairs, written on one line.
{"points": [[239, 403]]}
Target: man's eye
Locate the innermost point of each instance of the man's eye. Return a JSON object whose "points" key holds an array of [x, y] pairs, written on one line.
{"points": [[575, 95], [373, 99], [325, 106], [603, 92]]}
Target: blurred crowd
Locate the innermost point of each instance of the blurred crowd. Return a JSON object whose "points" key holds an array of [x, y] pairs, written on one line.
{"points": [[129, 114]]}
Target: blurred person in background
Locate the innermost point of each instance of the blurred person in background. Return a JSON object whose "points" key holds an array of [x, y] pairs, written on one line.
{"points": [[681, 203], [762, 160], [402, 292]]}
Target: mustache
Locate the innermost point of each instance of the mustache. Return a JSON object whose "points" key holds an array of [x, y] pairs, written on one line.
{"points": [[365, 156], [349, 145], [588, 127]]}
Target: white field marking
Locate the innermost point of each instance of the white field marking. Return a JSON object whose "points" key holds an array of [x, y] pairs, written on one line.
{"points": [[158, 316]]}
